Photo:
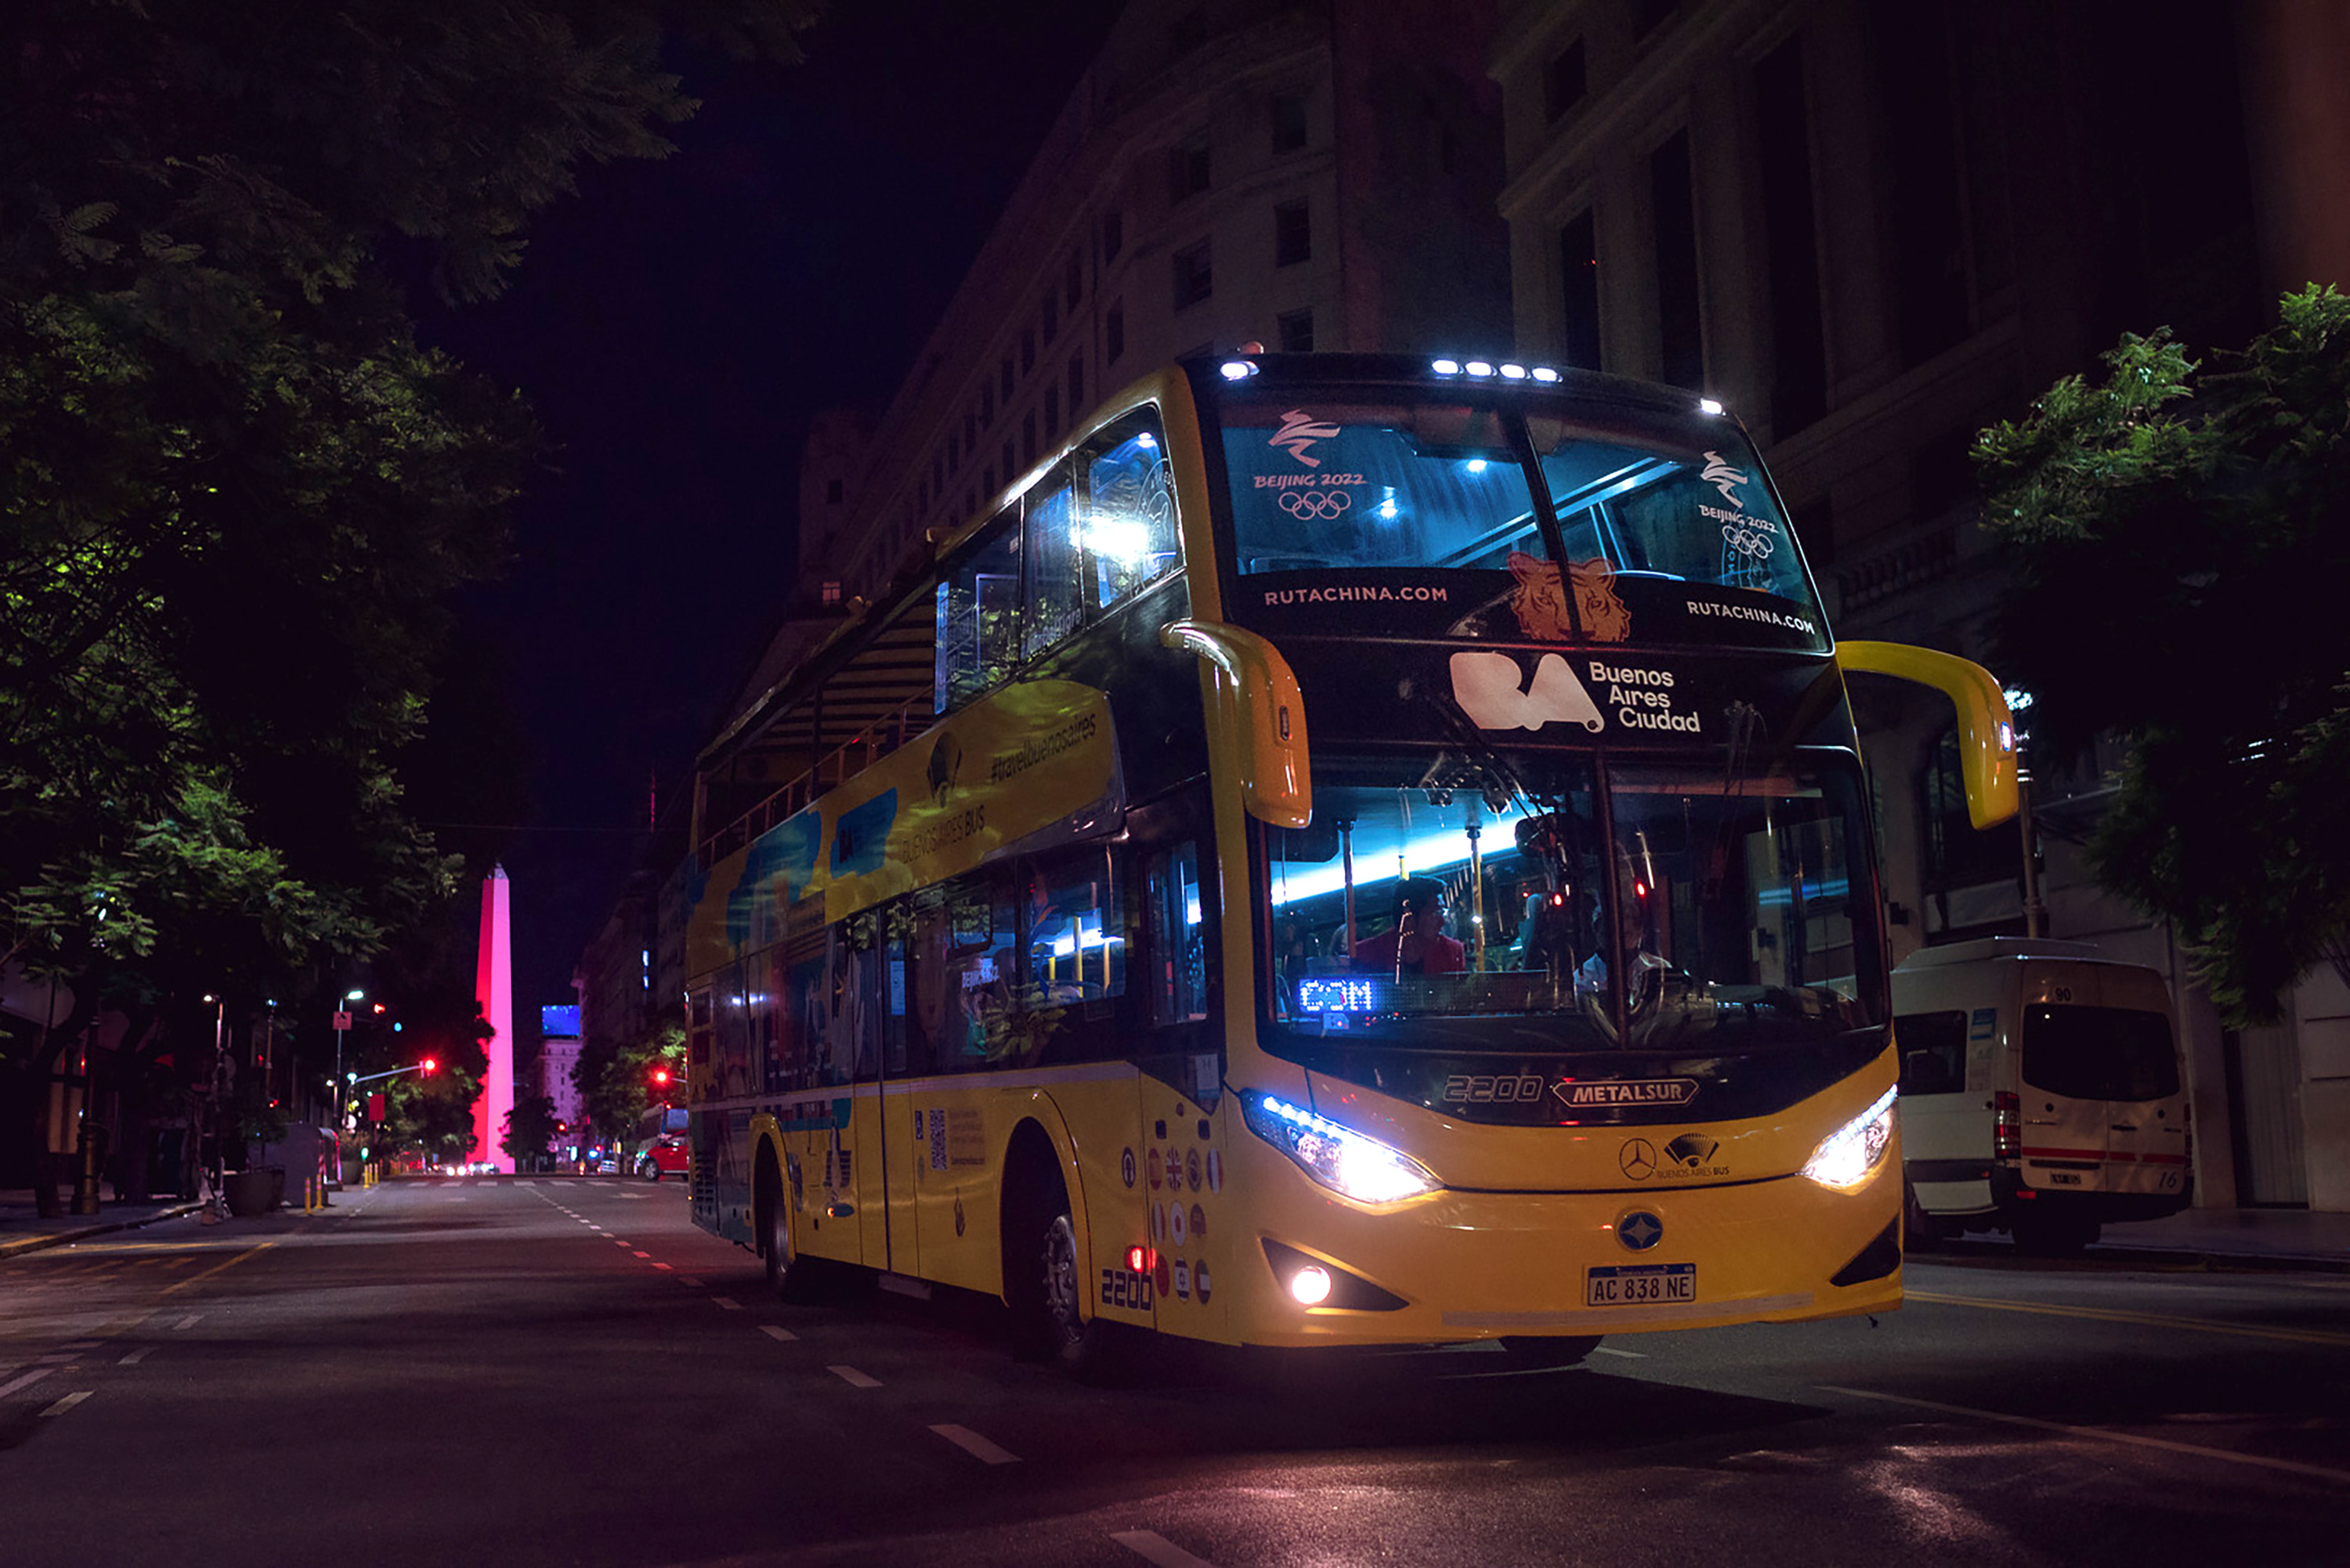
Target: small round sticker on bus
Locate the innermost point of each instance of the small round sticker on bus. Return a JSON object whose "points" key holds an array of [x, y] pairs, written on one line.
{"points": [[1126, 1165], [1155, 1179], [1178, 1225], [1215, 1171], [1192, 1169], [1202, 1280]]}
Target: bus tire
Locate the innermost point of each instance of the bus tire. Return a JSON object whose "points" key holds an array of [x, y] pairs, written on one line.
{"points": [[1080, 1345], [787, 1272], [1546, 1352]]}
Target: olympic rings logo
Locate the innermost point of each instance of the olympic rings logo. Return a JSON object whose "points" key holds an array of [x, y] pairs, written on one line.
{"points": [[1317, 504], [1747, 542]]}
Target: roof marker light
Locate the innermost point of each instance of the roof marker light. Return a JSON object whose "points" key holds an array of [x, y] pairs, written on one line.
{"points": [[1479, 367], [1446, 367], [1238, 369], [1708, 406], [1544, 373], [1514, 372]]}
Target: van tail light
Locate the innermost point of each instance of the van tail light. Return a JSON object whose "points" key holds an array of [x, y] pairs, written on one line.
{"points": [[2006, 1127]]}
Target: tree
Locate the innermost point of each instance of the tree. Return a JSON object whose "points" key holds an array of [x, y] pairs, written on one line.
{"points": [[235, 496], [530, 1131], [618, 1088], [2181, 535]]}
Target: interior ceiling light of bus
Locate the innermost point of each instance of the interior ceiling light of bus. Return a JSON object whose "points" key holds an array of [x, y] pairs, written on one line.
{"points": [[1424, 854]]}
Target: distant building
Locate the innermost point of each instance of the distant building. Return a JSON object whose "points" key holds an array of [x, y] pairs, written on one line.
{"points": [[1310, 176], [1874, 229], [558, 1054]]}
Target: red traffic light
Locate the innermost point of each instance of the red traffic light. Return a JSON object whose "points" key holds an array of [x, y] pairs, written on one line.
{"points": [[379, 1007], [431, 1066], [660, 1074]]}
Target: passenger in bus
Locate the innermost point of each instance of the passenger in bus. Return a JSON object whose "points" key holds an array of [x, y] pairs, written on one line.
{"points": [[1416, 943]]}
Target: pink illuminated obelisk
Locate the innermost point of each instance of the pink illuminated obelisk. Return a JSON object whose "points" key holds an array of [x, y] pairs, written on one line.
{"points": [[493, 988]]}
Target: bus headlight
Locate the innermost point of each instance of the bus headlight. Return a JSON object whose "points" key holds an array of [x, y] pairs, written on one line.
{"points": [[1340, 1159], [1849, 1155]]}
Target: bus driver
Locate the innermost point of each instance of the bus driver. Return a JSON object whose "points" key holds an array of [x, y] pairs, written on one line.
{"points": [[1416, 943]]}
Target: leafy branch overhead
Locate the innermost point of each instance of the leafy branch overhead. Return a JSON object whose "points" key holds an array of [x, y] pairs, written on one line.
{"points": [[2182, 533], [235, 494]]}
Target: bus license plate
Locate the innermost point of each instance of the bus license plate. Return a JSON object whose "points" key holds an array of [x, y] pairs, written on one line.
{"points": [[1640, 1284]]}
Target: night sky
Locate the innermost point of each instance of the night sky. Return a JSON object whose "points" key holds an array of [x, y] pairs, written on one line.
{"points": [[674, 325]]}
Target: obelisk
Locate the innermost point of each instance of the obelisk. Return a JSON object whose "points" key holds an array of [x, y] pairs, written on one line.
{"points": [[493, 989]]}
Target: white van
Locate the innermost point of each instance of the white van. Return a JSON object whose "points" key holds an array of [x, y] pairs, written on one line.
{"points": [[2040, 1092]]}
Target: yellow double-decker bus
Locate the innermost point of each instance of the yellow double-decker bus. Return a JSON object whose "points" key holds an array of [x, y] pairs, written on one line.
{"points": [[1349, 851]]}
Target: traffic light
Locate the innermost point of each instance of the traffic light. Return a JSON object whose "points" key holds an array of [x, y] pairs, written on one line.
{"points": [[661, 1078], [431, 1065]]}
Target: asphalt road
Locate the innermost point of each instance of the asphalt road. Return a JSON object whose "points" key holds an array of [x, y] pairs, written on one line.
{"points": [[564, 1371]]}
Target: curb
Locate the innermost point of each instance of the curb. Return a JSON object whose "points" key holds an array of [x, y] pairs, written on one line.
{"points": [[36, 1243]]}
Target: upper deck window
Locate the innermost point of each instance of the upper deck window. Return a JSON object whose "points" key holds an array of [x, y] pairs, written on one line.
{"points": [[1671, 513], [1356, 485]]}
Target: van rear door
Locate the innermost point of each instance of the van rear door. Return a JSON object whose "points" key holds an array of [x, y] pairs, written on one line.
{"points": [[2102, 1108]]}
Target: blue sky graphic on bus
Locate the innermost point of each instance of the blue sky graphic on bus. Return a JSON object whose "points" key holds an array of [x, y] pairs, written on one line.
{"points": [[786, 854], [863, 834]]}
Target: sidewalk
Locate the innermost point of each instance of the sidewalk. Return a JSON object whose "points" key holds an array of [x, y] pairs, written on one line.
{"points": [[23, 1231]]}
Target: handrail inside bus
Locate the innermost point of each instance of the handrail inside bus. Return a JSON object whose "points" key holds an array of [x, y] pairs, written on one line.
{"points": [[1986, 727], [1276, 778]]}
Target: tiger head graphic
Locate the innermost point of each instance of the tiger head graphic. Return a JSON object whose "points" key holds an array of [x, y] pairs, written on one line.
{"points": [[1539, 600]]}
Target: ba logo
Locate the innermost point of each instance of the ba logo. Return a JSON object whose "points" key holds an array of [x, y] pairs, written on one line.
{"points": [[946, 761], [1486, 686], [1691, 1149]]}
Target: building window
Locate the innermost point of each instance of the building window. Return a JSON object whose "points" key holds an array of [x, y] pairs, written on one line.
{"points": [[1052, 324], [1799, 380], [1293, 234], [1077, 384], [832, 493], [1288, 121], [1003, 377], [1009, 472], [1680, 338], [1052, 410], [986, 405], [1647, 15], [1296, 331], [1113, 236], [1564, 84], [1579, 260], [1114, 334], [1027, 349], [1187, 168], [1194, 275], [829, 594], [1074, 288]]}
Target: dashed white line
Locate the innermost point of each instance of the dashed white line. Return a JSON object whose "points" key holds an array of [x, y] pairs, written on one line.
{"points": [[669, 1266], [642, 1254], [68, 1403], [2133, 1438], [777, 1332], [854, 1379], [27, 1381], [729, 1302], [1611, 1350], [1151, 1546], [138, 1355], [975, 1445], [690, 1280], [189, 1321]]}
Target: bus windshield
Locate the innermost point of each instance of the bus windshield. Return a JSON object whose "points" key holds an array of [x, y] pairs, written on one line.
{"points": [[1641, 502], [1436, 905]]}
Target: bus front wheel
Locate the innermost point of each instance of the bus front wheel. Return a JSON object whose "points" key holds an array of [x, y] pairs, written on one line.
{"points": [[1542, 1352], [1058, 1329], [786, 1270]]}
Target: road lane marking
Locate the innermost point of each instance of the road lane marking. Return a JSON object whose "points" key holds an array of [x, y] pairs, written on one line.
{"points": [[777, 1332], [729, 1302], [27, 1381], [68, 1403], [1151, 1546], [669, 1266], [690, 1280], [216, 1267], [2293, 1467], [138, 1355], [975, 1445], [189, 1321], [854, 1379], [2149, 1319], [1611, 1350], [642, 1254]]}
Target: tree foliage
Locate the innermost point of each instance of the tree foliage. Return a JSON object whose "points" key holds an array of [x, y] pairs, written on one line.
{"points": [[235, 494], [530, 1129], [2182, 531], [617, 1086]]}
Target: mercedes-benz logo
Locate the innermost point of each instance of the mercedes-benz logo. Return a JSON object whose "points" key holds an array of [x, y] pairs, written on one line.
{"points": [[1639, 1230], [1638, 1158]]}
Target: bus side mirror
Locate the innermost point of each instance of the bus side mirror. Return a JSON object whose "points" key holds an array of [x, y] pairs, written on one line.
{"points": [[1986, 728]]}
